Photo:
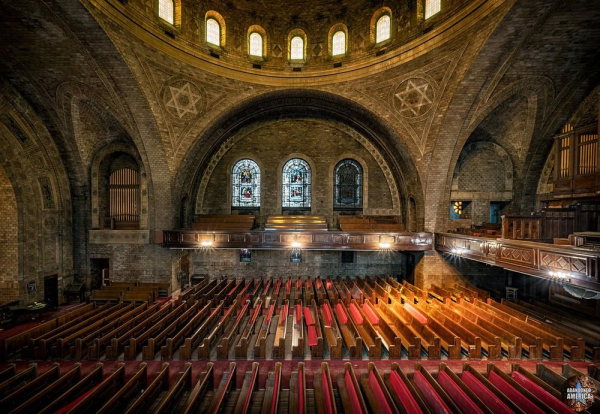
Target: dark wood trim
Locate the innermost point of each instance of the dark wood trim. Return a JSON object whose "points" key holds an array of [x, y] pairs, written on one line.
{"points": [[578, 265], [309, 240]]}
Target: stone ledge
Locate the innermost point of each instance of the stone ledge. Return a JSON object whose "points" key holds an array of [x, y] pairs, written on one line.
{"points": [[119, 237]]}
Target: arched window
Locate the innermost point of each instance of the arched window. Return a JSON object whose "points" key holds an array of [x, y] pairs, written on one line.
{"points": [[297, 48], [432, 7], [338, 43], [256, 44], [166, 10], [213, 32], [348, 185], [124, 199], [245, 184], [383, 28], [296, 184]]}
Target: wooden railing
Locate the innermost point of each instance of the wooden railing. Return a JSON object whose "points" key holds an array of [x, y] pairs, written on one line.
{"points": [[521, 227]]}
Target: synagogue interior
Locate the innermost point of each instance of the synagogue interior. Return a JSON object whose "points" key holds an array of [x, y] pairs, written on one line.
{"points": [[299, 206]]}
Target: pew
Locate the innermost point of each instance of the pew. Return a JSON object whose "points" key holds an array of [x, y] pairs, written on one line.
{"points": [[272, 390], [369, 335], [350, 393], [139, 296], [334, 332], [297, 400], [539, 388], [248, 386], [29, 388], [223, 222], [418, 328], [324, 396], [231, 334], [459, 392], [156, 342], [376, 393], [331, 290], [387, 224], [175, 394], [315, 333], [298, 332], [106, 296], [174, 342], [296, 223], [343, 292], [402, 332], [121, 335], [207, 342], [241, 348], [260, 347], [133, 386], [11, 384], [227, 381], [309, 292], [193, 341], [433, 394], [281, 331], [205, 382], [190, 292], [389, 339], [320, 291], [403, 392], [159, 385]]}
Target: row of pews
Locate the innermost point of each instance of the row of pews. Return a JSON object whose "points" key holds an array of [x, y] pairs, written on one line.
{"points": [[131, 292], [136, 387], [343, 318]]}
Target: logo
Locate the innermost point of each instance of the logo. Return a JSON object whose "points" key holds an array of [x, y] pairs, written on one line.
{"points": [[578, 392]]}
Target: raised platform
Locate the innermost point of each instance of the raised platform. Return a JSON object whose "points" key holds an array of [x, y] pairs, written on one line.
{"points": [[307, 240], [574, 265]]}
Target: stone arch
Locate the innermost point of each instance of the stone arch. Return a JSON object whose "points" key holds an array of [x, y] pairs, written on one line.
{"points": [[500, 152]]}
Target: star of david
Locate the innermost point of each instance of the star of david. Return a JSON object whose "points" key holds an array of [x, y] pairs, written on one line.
{"points": [[413, 98], [183, 100]]}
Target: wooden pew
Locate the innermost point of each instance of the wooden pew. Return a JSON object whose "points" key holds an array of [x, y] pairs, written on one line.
{"points": [[231, 333], [29, 388], [223, 222], [14, 382], [109, 386], [419, 328], [201, 295], [438, 293], [324, 396], [83, 345], [175, 341], [34, 403], [349, 391], [376, 393], [139, 296], [281, 331], [106, 296], [334, 334], [83, 386], [272, 390], [298, 290], [250, 328], [176, 391], [140, 339], [343, 292], [138, 382], [248, 386], [401, 331], [487, 392], [381, 292], [156, 342], [227, 381], [433, 394], [212, 338], [260, 347], [193, 290], [151, 393], [320, 291], [515, 367], [122, 334], [193, 341], [369, 335], [389, 339], [332, 294], [459, 392], [403, 392], [368, 292], [298, 332], [297, 400], [8, 372], [309, 291], [315, 333], [205, 382], [296, 223]]}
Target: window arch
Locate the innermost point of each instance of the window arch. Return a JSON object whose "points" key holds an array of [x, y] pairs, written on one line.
{"points": [[245, 184], [338, 43], [297, 48], [213, 32], [383, 29], [348, 185], [166, 10], [256, 44], [296, 184], [432, 7]]}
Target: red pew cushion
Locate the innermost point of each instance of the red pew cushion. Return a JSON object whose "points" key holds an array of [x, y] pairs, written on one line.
{"points": [[301, 392], [541, 393], [312, 335], [326, 393], [373, 318], [457, 394], [519, 399], [339, 311], [284, 314], [327, 314], [308, 316], [382, 402], [298, 313], [433, 397], [485, 394], [354, 402], [408, 401], [355, 314]]}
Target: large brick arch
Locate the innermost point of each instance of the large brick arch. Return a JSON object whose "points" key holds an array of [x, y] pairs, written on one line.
{"points": [[301, 104]]}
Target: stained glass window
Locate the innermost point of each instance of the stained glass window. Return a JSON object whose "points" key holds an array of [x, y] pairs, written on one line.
{"points": [[383, 28], [347, 192], [256, 44], [297, 48], [213, 32], [338, 43], [432, 7], [166, 10], [296, 181], [245, 184]]}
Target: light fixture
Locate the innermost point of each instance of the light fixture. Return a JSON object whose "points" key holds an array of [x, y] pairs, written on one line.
{"points": [[296, 245], [384, 245], [206, 243]]}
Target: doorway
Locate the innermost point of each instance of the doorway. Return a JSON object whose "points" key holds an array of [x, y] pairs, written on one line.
{"points": [[51, 291], [99, 271]]}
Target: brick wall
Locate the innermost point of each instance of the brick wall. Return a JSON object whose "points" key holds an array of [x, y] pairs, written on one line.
{"points": [[9, 240]]}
